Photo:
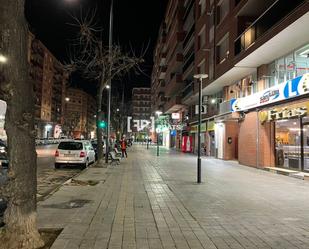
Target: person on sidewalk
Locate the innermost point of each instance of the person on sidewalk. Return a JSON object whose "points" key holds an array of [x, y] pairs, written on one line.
{"points": [[124, 147]]}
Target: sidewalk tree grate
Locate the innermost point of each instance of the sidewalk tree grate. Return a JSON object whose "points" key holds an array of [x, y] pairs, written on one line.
{"points": [[49, 236], [78, 203], [74, 182]]}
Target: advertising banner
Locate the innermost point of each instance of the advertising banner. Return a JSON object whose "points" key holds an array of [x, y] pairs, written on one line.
{"points": [[289, 89]]}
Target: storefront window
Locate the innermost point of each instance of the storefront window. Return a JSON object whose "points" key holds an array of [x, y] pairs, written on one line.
{"points": [[302, 60], [288, 149], [281, 70], [290, 67]]}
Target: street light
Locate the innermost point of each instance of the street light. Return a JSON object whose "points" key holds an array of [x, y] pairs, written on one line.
{"points": [[199, 161], [3, 59], [67, 99], [110, 44], [158, 149]]}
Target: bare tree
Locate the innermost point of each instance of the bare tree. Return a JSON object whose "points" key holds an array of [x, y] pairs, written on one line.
{"points": [[20, 230], [98, 63]]}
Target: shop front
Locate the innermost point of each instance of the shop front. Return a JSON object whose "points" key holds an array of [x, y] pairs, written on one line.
{"points": [[291, 134], [274, 126]]}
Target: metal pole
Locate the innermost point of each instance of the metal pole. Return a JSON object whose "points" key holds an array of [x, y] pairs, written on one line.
{"points": [[158, 149], [199, 162], [110, 82]]}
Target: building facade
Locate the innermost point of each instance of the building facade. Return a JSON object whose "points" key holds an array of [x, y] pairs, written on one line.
{"points": [[49, 79], [141, 109], [251, 51], [79, 114]]}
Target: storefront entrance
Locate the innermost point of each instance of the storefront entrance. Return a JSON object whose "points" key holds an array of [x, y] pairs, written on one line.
{"points": [[292, 143]]}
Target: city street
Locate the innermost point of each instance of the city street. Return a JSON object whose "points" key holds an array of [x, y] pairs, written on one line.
{"points": [[153, 202], [49, 178]]}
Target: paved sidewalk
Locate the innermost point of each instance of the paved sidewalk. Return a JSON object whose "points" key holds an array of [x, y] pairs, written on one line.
{"points": [[153, 202]]}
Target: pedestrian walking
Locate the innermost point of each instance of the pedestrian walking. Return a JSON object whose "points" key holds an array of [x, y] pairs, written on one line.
{"points": [[124, 147]]}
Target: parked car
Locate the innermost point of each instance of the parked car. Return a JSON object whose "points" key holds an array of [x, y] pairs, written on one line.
{"points": [[4, 162], [74, 153], [95, 147]]}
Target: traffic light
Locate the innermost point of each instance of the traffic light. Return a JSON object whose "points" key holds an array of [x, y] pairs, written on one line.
{"points": [[101, 124]]}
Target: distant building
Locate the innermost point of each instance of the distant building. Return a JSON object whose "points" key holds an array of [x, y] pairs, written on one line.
{"points": [[79, 118], [141, 108], [141, 103], [50, 81]]}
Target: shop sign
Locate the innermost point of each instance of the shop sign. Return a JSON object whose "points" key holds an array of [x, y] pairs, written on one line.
{"points": [[194, 128], [284, 113], [210, 125], [289, 89]]}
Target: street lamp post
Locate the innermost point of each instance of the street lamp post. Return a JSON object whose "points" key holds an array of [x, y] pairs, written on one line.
{"points": [[110, 81], [200, 77], [158, 148]]}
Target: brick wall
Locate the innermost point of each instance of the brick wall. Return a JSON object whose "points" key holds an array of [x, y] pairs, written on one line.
{"points": [[247, 140], [247, 146]]}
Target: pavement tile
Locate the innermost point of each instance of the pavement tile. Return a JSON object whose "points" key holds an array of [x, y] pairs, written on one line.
{"points": [[152, 202]]}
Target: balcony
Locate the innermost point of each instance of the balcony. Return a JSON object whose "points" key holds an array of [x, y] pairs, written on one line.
{"points": [[188, 90], [225, 107], [174, 85], [162, 72], [162, 60], [188, 62], [173, 105], [264, 23]]}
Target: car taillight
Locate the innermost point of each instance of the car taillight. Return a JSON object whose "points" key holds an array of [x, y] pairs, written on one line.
{"points": [[56, 153], [82, 154]]}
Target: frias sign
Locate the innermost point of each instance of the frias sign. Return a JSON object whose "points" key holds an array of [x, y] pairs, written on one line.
{"points": [[289, 89], [283, 113]]}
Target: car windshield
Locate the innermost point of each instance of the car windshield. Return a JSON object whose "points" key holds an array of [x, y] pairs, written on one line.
{"points": [[70, 146]]}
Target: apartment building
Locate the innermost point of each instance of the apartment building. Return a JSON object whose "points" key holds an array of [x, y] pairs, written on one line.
{"points": [[141, 103], [79, 115], [255, 54], [141, 109], [49, 79]]}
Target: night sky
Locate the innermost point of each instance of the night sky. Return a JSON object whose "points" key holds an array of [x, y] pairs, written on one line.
{"points": [[136, 24]]}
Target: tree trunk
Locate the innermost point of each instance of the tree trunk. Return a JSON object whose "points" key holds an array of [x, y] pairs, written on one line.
{"points": [[20, 230], [99, 130]]}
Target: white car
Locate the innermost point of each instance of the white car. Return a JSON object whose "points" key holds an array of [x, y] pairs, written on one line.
{"points": [[78, 152]]}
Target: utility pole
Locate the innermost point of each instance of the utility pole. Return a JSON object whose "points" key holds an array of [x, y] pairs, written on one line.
{"points": [[200, 77]]}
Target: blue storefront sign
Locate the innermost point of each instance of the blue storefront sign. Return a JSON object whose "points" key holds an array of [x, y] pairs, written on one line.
{"points": [[287, 90]]}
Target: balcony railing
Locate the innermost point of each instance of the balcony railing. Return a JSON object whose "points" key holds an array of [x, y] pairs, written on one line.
{"points": [[275, 13], [188, 90]]}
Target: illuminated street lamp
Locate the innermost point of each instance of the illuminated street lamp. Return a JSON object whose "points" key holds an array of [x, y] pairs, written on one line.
{"points": [[107, 87], [158, 113], [67, 99], [200, 77], [3, 59]]}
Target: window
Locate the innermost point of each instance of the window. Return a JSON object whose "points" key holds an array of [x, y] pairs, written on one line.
{"points": [[201, 38], [222, 10], [201, 67], [202, 5], [222, 50]]}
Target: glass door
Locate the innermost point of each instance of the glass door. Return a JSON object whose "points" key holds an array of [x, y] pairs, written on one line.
{"points": [[288, 149]]}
